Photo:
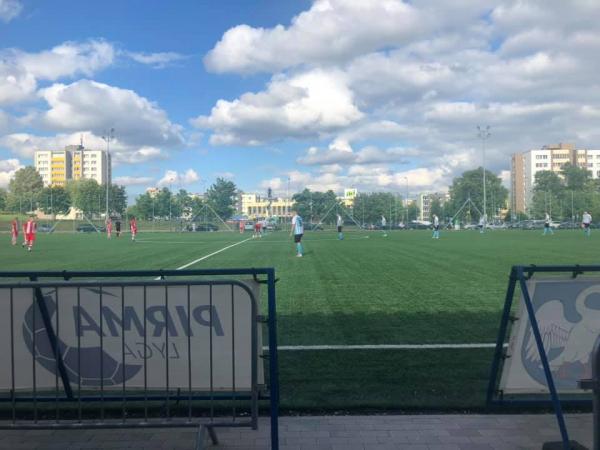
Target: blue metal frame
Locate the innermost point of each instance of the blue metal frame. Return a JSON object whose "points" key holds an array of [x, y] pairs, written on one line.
{"points": [[520, 274], [273, 397]]}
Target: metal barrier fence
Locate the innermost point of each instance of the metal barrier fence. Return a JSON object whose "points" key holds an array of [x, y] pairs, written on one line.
{"points": [[91, 351]]}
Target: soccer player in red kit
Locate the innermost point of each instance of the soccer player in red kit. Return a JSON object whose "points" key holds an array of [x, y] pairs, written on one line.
{"points": [[133, 228], [108, 228], [30, 230], [14, 230]]}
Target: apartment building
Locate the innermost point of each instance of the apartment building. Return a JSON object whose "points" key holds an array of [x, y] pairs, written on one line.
{"points": [[255, 206], [525, 165], [73, 163]]}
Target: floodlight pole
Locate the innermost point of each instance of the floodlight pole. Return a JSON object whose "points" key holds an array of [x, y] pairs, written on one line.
{"points": [[108, 136], [406, 178], [484, 134]]}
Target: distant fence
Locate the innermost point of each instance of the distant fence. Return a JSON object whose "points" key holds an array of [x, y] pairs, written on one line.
{"points": [[137, 349]]}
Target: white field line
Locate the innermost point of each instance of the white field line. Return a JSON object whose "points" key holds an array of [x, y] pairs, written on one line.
{"points": [[185, 266], [304, 239], [384, 347]]}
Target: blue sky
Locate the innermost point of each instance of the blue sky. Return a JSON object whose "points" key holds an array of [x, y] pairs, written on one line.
{"points": [[326, 93]]}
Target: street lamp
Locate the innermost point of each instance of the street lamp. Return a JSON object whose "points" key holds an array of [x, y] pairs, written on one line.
{"points": [[108, 137], [484, 134]]}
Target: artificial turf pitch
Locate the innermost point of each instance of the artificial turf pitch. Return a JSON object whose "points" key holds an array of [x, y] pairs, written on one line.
{"points": [[405, 288]]}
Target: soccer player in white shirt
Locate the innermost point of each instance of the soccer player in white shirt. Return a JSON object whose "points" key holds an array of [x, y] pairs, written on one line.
{"points": [[586, 222], [297, 231], [383, 224], [340, 224], [547, 227], [436, 227]]}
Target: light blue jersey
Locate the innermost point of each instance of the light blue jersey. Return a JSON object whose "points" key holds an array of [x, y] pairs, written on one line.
{"points": [[298, 225]]}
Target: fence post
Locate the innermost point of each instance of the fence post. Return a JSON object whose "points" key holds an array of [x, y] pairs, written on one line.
{"points": [[594, 385]]}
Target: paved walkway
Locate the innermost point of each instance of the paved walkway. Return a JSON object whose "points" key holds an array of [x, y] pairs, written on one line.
{"points": [[426, 432]]}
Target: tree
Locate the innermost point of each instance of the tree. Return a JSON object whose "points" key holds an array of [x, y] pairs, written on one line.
{"points": [[26, 182], [87, 195], [369, 207], [576, 178], [470, 184], [436, 208], [144, 206], [3, 195], [548, 181], [118, 199], [313, 205], [54, 200], [221, 197]]}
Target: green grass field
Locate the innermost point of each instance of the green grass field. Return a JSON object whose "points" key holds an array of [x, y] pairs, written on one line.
{"points": [[402, 289]]}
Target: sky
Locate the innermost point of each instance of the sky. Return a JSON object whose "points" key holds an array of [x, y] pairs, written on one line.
{"points": [[379, 95]]}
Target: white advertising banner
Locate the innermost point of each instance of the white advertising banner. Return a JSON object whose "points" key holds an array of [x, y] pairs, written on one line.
{"points": [[101, 337], [568, 315]]}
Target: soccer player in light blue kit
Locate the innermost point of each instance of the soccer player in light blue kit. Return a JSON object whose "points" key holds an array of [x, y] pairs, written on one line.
{"points": [[436, 227], [297, 231], [383, 224], [340, 224]]}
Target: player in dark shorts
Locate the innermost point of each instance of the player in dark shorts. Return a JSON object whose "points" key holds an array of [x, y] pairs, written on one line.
{"points": [[118, 228], [340, 224]]}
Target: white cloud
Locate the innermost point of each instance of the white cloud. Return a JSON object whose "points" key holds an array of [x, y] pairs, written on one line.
{"points": [[8, 167], [226, 175], [156, 60], [331, 30], [341, 153], [20, 71], [94, 106], [25, 144], [9, 9], [142, 155], [133, 181], [301, 106], [174, 178]]}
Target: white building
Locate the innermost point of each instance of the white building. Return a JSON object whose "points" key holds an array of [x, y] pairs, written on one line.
{"points": [[551, 158], [75, 162]]}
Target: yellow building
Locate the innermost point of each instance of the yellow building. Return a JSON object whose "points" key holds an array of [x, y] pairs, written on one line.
{"points": [[256, 207], [73, 163], [54, 166]]}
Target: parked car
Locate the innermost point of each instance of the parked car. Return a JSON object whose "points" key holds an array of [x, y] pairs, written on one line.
{"points": [[87, 228], [418, 225], [45, 228], [249, 226], [201, 227]]}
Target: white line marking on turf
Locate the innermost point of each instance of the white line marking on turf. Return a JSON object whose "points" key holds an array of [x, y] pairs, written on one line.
{"points": [[385, 347], [185, 266]]}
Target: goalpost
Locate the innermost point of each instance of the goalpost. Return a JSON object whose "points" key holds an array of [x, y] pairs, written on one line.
{"points": [[206, 208], [344, 210]]}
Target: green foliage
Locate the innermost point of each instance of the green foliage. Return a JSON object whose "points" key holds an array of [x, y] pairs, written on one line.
{"points": [[368, 208], [576, 178], [87, 196], [565, 198], [3, 195], [222, 196], [54, 200], [470, 184], [117, 200], [26, 182], [313, 206]]}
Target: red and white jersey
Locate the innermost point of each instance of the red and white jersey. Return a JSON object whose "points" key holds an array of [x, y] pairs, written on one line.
{"points": [[133, 226], [14, 228], [109, 226], [30, 227]]}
